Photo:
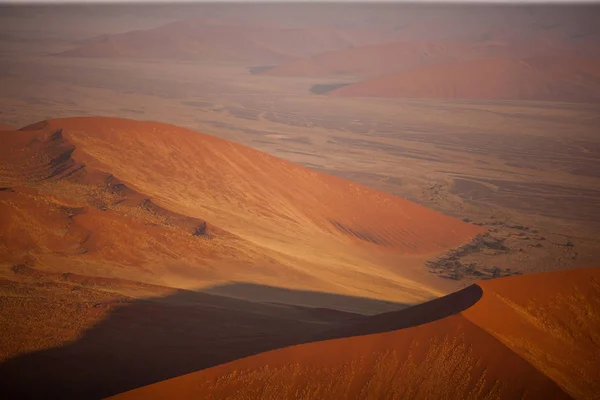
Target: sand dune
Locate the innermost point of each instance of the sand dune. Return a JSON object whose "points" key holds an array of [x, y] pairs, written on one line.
{"points": [[379, 59], [567, 79], [170, 206], [105, 222], [198, 39], [522, 337]]}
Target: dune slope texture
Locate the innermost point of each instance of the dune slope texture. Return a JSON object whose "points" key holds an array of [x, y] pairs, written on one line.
{"points": [[567, 79], [529, 337], [163, 205]]}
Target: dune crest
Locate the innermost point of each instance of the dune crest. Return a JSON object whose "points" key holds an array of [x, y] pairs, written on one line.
{"points": [[526, 337]]}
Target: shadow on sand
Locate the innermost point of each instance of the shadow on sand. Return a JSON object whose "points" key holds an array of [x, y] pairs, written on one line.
{"points": [[149, 340]]}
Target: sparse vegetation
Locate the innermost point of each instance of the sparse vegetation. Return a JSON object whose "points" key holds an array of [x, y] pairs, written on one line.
{"points": [[519, 227], [457, 274], [496, 272], [471, 268]]}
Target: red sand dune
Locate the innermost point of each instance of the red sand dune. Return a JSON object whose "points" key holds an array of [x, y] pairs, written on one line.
{"points": [[533, 336], [135, 196], [567, 79], [379, 59], [199, 40]]}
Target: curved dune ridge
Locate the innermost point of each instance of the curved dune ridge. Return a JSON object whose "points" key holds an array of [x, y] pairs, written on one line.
{"points": [[170, 206], [568, 79], [532, 336]]}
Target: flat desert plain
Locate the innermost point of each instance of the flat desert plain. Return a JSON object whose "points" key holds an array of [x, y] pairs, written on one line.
{"points": [[380, 187]]}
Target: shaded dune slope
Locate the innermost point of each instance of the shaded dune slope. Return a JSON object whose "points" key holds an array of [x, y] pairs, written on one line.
{"points": [[530, 336], [568, 79], [82, 337], [169, 206]]}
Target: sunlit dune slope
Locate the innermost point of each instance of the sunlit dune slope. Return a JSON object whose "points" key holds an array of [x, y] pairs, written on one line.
{"points": [[166, 205], [532, 336], [568, 79], [198, 39], [5, 127]]}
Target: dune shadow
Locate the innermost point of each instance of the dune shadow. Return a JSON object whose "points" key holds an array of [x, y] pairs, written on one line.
{"points": [[304, 298], [143, 341], [415, 315]]}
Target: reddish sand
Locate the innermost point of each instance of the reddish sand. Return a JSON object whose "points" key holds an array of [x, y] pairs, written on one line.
{"points": [[132, 194], [567, 79], [5, 127], [379, 59], [532, 336]]}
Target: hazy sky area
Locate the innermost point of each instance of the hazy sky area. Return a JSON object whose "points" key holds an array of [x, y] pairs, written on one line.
{"points": [[308, 1]]}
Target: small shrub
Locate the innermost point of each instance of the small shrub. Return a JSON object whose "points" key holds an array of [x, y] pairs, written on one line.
{"points": [[457, 274], [471, 269]]}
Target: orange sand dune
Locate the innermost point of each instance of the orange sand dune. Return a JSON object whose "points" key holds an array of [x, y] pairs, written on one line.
{"points": [[166, 205], [567, 79], [6, 127], [532, 336], [379, 59], [199, 40]]}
